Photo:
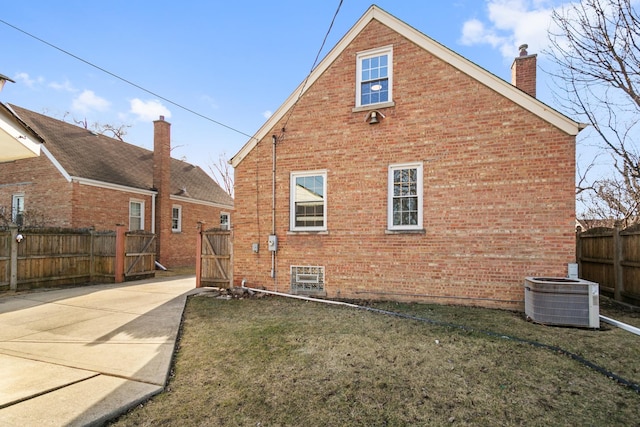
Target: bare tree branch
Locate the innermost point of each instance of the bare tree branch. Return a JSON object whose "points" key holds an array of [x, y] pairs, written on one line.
{"points": [[222, 173], [595, 48]]}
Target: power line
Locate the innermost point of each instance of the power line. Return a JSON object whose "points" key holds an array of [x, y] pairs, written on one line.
{"points": [[315, 62], [128, 81]]}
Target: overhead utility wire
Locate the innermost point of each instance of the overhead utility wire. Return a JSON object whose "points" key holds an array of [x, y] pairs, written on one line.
{"points": [[128, 81], [304, 84]]}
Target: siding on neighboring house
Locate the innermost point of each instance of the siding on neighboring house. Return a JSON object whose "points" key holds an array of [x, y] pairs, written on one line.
{"points": [[498, 184]]}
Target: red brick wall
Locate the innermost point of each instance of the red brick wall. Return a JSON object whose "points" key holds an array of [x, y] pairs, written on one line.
{"points": [[103, 208], [180, 248], [498, 188], [46, 191]]}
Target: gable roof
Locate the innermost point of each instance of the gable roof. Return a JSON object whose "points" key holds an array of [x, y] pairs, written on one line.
{"points": [[17, 139], [86, 156], [438, 50]]}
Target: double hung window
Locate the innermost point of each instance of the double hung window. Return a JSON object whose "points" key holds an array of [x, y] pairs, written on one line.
{"points": [[374, 80], [308, 211], [405, 197], [136, 215], [17, 209], [176, 218]]}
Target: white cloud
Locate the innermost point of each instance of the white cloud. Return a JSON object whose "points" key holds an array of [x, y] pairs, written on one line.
{"points": [[25, 79], [267, 114], [511, 23], [88, 101], [66, 86], [148, 110]]}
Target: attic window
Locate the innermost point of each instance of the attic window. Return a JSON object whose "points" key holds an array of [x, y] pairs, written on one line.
{"points": [[374, 77]]}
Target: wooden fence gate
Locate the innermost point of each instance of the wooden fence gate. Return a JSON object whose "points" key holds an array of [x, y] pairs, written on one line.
{"points": [[214, 261]]}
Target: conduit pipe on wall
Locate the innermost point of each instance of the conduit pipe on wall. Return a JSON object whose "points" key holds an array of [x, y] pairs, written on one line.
{"points": [[273, 203]]}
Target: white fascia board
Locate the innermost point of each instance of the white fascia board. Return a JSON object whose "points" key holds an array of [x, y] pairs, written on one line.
{"points": [[56, 163], [110, 186], [200, 202], [440, 51]]}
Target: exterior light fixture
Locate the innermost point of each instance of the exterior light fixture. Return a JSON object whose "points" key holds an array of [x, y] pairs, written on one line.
{"points": [[374, 117]]}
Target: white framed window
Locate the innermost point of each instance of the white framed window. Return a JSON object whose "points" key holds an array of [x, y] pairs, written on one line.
{"points": [[176, 218], [225, 221], [136, 215], [405, 197], [17, 209], [308, 211], [374, 76]]}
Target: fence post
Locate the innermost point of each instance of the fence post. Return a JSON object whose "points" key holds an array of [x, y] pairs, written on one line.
{"points": [[120, 253], [13, 263], [199, 255], [617, 264]]}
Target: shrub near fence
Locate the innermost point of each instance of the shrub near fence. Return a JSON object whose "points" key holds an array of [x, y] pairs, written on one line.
{"points": [[44, 257], [611, 258]]}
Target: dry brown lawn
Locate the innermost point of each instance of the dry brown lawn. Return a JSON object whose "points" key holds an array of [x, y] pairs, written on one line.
{"points": [[283, 362]]}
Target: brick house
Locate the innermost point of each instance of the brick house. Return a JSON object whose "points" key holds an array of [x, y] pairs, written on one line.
{"points": [[83, 179], [401, 170]]}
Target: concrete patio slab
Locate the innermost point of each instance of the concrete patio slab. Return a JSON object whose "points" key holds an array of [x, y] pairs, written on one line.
{"points": [[84, 355]]}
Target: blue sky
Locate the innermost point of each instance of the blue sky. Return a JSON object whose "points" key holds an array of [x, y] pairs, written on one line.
{"points": [[232, 62]]}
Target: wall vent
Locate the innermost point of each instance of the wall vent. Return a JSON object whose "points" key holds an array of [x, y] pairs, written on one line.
{"points": [[307, 279], [561, 301]]}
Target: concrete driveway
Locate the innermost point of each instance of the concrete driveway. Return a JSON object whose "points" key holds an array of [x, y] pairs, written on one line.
{"points": [[81, 356]]}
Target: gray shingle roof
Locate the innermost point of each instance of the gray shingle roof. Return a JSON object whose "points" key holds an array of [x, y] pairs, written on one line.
{"points": [[85, 154]]}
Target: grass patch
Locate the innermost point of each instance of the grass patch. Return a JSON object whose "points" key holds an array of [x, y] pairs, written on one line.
{"points": [[282, 362]]}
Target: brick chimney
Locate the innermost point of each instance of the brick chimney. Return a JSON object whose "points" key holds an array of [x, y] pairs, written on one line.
{"points": [[162, 183], [523, 71]]}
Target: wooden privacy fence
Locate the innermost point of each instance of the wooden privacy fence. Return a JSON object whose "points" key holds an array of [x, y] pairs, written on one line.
{"points": [[41, 257], [214, 258], [611, 258]]}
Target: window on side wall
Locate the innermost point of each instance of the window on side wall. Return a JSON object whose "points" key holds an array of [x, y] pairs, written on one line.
{"points": [[136, 215], [17, 209], [308, 201], [374, 77], [176, 218], [405, 197], [224, 221]]}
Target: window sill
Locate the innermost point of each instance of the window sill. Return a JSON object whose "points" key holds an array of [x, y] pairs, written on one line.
{"points": [[373, 106], [418, 231], [302, 232]]}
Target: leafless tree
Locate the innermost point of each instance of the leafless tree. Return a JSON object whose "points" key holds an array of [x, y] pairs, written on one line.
{"points": [[222, 173], [27, 218], [113, 131], [596, 48]]}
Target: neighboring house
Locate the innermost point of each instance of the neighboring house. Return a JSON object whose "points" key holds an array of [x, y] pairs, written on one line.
{"points": [[17, 140], [403, 171], [83, 179]]}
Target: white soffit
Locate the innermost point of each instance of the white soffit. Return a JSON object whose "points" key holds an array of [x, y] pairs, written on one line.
{"points": [[16, 143]]}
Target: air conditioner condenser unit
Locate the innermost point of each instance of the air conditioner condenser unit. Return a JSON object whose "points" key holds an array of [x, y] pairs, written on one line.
{"points": [[562, 301]]}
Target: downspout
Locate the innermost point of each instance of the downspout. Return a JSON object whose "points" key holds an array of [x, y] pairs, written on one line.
{"points": [[273, 205], [153, 213]]}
